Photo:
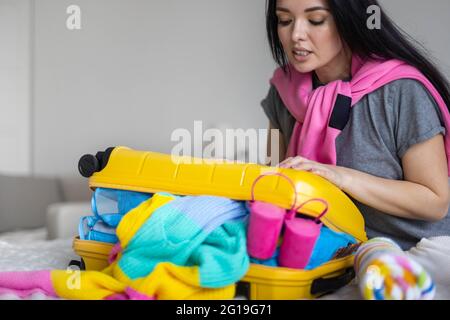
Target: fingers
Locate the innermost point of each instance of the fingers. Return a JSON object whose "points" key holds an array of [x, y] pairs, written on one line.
{"points": [[303, 164], [292, 162], [306, 166], [284, 163]]}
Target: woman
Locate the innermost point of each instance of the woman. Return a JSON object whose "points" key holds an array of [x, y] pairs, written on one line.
{"points": [[383, 145]]}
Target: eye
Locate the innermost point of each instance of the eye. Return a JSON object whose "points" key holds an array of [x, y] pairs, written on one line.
{"points": [[284, 23], [316, 23]]}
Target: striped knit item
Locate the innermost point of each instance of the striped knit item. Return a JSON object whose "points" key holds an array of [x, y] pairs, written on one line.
{"points": [[197, 231], [386, 273]]}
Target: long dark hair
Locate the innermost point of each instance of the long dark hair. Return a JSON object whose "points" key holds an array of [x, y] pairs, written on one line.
{"points": [[388, 42]]}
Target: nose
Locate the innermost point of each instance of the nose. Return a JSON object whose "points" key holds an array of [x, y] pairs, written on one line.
{"points": [[299, 32]]}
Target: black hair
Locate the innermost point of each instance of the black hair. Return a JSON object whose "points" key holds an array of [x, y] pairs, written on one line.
{"points": [[387, 42]]}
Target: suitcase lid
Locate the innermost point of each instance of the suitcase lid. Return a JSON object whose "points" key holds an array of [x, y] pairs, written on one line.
{"points": [[153, 172]]}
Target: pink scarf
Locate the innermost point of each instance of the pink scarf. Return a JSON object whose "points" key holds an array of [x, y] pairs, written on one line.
{"points": [[319, 112]]}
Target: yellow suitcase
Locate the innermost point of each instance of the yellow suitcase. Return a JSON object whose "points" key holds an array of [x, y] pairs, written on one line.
{"points": [[127, 169]]}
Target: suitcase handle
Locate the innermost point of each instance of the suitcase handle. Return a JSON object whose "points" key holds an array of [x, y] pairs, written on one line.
{"points": [[325, 285], [90, 164]]}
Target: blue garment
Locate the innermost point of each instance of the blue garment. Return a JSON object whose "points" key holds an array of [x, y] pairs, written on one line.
{"points": [[327, 245], [93, 228], [109, 207], [272, 262]]}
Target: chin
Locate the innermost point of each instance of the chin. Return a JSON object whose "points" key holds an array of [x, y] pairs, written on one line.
{"points": [[303, 67]]}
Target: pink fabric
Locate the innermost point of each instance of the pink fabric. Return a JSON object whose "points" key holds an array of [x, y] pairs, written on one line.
{"points": [[129, 294], [135, 295], [24, 284], [23, 294], [116, 249], [312, 138]]}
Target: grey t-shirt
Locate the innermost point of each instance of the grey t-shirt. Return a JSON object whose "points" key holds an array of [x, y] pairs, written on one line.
{"points": [[381, 128]]}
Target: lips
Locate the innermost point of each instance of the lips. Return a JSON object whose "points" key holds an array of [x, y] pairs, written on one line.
{"points": [[301, 52]]}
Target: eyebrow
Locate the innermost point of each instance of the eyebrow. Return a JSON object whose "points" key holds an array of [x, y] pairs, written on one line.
{"points": [[306, 10]]}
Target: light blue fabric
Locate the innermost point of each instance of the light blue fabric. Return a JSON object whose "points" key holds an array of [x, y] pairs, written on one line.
{"points": [[92, 228], [327, 245], [204, 231], [108, 207], [272, 262]]}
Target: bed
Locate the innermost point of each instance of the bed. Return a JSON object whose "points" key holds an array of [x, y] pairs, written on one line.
{"points": [[29, 250]]}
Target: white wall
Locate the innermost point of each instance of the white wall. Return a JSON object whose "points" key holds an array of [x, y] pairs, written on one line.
{"points": [[139, 69], [15, 77], [428, 22]]}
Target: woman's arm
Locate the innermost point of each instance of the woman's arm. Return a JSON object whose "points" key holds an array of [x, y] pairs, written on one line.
{"points": [[281, 146], [424, 195]]}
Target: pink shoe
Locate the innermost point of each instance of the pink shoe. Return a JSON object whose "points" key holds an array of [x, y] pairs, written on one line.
{"points": [[264, 228], [299, 239]]}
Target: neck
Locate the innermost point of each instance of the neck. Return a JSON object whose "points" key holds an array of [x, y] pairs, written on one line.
{"points": [[338, 69]]}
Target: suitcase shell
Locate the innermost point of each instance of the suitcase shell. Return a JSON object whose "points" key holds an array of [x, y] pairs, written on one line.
{"points": [[127, 169]]}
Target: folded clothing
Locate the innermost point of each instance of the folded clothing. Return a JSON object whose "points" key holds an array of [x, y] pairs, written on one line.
{"points": [[113, 203], [95, 229], [108, 207]]}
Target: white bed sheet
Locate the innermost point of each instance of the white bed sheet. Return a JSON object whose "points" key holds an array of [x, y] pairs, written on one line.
{"points": [[29, 250]]}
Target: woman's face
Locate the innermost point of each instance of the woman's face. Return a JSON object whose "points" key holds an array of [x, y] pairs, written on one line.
{"points": [[308, 34]]}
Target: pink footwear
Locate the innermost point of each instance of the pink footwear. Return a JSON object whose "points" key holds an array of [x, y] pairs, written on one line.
{"points": [[264, 228], [299, 239]]}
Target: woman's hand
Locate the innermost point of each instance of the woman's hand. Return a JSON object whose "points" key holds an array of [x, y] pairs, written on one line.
{"points": [[339, 176]]}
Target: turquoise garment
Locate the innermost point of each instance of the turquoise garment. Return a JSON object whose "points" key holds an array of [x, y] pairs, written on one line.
{"points": [[204, 231], [272, 262]]}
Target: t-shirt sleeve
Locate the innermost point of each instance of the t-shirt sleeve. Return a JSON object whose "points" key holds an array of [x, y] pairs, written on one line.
{"points": [[270, 107], [418, 117], [278, 115]]}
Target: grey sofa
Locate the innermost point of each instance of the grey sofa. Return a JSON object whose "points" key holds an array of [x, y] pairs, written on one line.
{"points": [[32, 202]]}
